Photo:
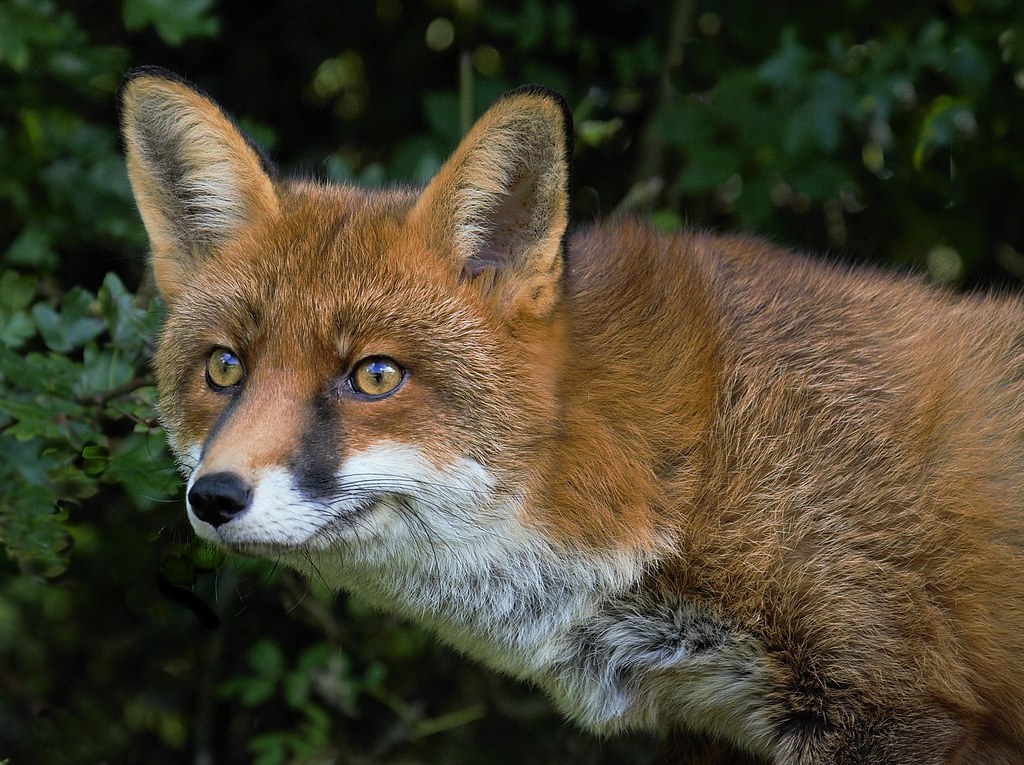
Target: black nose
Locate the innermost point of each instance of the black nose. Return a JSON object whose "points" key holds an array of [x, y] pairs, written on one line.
{"points": [[218, 497]]}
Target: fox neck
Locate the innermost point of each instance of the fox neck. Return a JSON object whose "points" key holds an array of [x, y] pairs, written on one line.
{"points": [[509, 602], [638, 393]]}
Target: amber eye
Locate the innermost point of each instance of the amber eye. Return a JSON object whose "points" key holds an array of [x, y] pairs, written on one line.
{"points": [[223, 369], [376, 376]]}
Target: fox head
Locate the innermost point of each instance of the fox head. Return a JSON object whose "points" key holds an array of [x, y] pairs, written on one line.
{"points": [[331, 357]]}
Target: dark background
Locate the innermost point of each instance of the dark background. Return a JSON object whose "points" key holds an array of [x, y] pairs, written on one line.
{"points": [[878, 132]]}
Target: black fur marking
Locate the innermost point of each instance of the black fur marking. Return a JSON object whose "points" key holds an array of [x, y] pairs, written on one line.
{"points": [[315, 463], [225, 415]]}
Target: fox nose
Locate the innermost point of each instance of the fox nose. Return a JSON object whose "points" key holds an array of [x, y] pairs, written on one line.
{"points": [[218, 497]]}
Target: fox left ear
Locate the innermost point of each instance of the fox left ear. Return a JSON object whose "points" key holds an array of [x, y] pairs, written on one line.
{"points": [[501, 202], [197, 180]]}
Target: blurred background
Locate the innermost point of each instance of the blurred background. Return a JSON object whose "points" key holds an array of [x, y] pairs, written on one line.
{"points": [[873, 132]]}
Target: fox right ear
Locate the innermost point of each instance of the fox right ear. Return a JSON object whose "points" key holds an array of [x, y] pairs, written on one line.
{"points": [[197, 181], [500, 204]]}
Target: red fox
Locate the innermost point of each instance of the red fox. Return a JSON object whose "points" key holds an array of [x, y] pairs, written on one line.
{"points": [[770, 508]]}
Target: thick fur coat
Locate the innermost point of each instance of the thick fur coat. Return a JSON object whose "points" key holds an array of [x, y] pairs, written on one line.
{"points": [[770, 508]]}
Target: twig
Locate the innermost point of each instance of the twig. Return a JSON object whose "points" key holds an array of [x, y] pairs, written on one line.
{"points": [[211, 658], [98, 399], [652, 148]]}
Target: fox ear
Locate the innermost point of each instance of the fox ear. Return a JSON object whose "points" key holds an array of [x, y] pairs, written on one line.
{"points": [[501, 202], [197, 181]]}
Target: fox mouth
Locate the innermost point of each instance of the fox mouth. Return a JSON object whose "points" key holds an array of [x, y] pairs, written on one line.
{"points": [[344, 525], [347, 523], [268, 550]]}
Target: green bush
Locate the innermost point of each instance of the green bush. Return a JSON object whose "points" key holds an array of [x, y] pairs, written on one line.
{"points": [[875, 131]]}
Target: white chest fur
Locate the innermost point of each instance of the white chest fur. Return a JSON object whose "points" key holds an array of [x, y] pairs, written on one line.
{"points": [[445, 548]]}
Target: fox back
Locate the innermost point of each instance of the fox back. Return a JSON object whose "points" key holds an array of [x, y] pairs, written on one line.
{"points": [[770, 508]]}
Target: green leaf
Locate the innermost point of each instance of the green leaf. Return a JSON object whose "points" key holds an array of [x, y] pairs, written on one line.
{"points": [[16, 291], [634, 64], [295, 689], [442, 112], [15, 328], [528, 25], [667, 220], [95, 459], [969, 65], [28, 27], [317, 657], [709, 168], [789, 66], [102, 369], [27, 461], [38, 373], [174, 20], [816, 122], [33, 247], [73, 326], [266, 659], [947, 120], [140, 467], [256, 690], [316, 727], [597, 132], [685, 124], [417, 159], [271, 748], [32, 419], [31, 533], [205, 556], [739, 101], [819, 182], [754, 206], [178, 570], [117, 306]]}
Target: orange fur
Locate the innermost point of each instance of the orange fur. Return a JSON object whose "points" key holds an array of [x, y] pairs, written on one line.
{"points": [[782, 502]]}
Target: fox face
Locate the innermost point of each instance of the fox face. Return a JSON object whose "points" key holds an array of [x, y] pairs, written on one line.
{"points": [[316, 385]]}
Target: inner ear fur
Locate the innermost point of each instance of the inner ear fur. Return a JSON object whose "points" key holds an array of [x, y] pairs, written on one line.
{"points": [[500, 204], [197, 180]]}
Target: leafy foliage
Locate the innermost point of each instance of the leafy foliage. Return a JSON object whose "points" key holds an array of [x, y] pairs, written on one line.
{"points": [[174, 20], [75, 414], [881, 131]]}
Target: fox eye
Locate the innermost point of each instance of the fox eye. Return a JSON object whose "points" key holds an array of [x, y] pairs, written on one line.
{"points": [[223, 369], [376, 376]]}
